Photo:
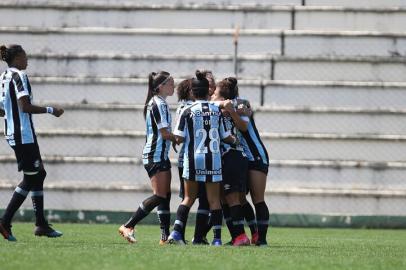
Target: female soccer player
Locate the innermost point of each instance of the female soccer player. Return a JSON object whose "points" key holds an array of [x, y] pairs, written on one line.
{"points": [[257, 172], [155, 155], [201, 128], [185, 98], [235, 165], [20, 135]]}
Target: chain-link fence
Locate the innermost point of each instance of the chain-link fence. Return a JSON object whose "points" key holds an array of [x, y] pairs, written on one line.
{"points": [[329, 106]]}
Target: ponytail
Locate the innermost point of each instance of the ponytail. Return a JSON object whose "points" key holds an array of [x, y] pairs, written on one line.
{"points": [[154, 81], [150, 93]]}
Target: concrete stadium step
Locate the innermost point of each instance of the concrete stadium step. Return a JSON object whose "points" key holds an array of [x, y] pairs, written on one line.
{"points": [[326, 68], [300, 146], [132, 15], [358, 3], [202, 16], [279, 201], [85, 173], [205, 41], [182, 2], [367, 95], [285, 119]]}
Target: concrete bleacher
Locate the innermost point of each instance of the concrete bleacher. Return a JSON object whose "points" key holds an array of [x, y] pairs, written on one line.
{"points": [[326, 79]]}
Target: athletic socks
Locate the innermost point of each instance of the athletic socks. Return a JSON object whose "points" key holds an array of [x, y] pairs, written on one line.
{"points": [[249, 216], [229, 221], [37, 197], [181, 219], [237, 219], [262, 220], [164, 217], [17, 199], [143, 210], [202, 220], [216, 219]]}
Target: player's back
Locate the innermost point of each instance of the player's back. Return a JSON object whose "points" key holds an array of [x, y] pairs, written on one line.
{"points": [[204, 128]]}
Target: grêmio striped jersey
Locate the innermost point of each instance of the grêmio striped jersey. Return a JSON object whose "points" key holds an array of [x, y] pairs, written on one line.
{"points": [[156, 149], [254, 148], [201, 124], [18, 125]]}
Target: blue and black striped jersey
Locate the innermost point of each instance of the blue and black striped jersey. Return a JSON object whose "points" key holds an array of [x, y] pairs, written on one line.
{"points": [[254, 148], [201, 124], [156, 149], [18, 125]]}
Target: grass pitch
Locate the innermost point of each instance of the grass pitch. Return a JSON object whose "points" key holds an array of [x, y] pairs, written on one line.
{"points": [[100, 247]]}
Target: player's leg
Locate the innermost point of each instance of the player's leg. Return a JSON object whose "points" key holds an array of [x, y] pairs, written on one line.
{"points": [[249, 215], [37, 196], [17, 199], [159, 182], [202, 217], [216, 214], [163, 211], [257, 189], [178, 234]]}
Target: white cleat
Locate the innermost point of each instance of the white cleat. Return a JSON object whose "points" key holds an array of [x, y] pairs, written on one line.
{"points": [[127, 234]]}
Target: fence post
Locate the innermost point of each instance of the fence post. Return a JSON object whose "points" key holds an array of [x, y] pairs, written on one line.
{"points": [[235, 59]]}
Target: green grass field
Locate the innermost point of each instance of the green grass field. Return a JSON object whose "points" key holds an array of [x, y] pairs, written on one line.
{"points": [[100, 247]]}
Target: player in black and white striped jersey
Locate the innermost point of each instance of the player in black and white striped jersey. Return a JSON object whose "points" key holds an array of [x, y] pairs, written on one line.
{"points": [[201, 129], [19, 130]]}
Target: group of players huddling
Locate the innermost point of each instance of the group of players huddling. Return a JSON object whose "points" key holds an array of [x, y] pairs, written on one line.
{"points": [[221, 156]]}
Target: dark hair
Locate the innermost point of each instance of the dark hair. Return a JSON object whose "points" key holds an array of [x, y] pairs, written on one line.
{"points": [[183, 89], [200, 85], [224, 87], [206, 72], [154, 81], [233, 93], [8, 53]]}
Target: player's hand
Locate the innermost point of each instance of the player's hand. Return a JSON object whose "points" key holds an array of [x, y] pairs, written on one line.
{"points": [[58, 112], [228, 105], [243, 110]]}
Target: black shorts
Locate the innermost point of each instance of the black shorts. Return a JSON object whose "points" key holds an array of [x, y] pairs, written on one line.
{"points": [[258, 166], [202, 195], [235, 172], [156, 167], [28, 157]]}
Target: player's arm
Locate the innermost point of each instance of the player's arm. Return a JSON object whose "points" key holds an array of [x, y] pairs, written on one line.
{"points": [[159, 113], [24, 103], [180, 128], [240, 122], [27, 107], [225, 134]]}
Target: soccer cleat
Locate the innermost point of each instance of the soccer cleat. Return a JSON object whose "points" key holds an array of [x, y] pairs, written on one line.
{"points": [[241, 240], [6, 232], [255, 237], [162, 242], [261, 244], [216, 242], [127, 234], [46, 230], [201, 241], [176, 238]]}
